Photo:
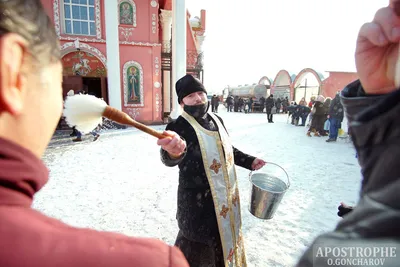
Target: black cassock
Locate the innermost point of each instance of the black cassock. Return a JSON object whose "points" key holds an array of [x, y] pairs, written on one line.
{"points": [[198, 236]]}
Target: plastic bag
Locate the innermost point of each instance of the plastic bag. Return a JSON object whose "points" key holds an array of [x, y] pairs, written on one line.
{"points": [[273, 110], [327, 125]]}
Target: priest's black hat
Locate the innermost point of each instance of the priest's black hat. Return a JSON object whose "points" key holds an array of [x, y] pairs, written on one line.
{"points": [[187, 85]]}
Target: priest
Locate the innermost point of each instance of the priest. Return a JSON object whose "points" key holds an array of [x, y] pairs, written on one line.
{"points": [[208, 212]]}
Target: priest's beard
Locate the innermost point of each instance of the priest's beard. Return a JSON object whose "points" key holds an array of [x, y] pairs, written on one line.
{"points": [[197, 111]]}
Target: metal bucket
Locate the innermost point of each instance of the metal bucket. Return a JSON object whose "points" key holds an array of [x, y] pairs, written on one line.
{"points": [[267, 191]]}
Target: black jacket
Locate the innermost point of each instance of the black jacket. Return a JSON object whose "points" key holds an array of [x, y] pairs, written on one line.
{"points": [[319, 108], [196, 214], [375, 221], [336, 109], [269, 103]]}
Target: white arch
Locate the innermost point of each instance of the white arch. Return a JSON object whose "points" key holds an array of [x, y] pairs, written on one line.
{"points": [[133, 9], [125, 78], [70, 47]]}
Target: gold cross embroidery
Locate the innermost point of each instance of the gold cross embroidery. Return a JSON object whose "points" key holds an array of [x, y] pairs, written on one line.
{"points": [[215, 166], [224, 211]]}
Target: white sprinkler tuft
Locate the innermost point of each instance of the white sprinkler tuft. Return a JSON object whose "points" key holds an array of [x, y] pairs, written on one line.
{"points": [[84, 112]]}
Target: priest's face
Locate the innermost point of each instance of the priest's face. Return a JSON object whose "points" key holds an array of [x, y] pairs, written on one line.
{"points": [[196, 98]]}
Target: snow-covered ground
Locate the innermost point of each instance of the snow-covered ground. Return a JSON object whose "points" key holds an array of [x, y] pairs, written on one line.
{"points": [[118, 183]]}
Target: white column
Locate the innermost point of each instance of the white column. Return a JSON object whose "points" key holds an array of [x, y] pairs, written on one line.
{"points": [[112, 46], [178, 50], [166, 24], [200, 41], [167, 91]]}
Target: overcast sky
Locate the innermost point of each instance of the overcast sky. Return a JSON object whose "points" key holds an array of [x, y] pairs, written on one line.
{"points": [[247, 41]]}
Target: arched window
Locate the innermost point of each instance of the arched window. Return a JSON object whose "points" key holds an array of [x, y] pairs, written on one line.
{"points": [[127, 13]]}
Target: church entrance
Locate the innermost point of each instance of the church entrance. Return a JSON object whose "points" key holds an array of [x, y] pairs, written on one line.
{"points": [[83, 72]]}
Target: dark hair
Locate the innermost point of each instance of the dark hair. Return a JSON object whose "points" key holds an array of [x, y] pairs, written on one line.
{"points": [[28, 19]]}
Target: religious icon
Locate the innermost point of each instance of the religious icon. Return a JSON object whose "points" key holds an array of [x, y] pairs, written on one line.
{"points": [[126, 14], [81, 67], [133, 85]]}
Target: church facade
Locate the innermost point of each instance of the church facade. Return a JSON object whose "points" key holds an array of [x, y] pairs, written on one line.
{"points": [[140, 54]]}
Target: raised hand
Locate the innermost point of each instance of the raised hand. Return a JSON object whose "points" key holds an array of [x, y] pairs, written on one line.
{"points": [[377, 50], [173, 144]]}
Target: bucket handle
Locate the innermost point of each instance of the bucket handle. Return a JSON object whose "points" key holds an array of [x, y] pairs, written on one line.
{"points": [[287, 175]]}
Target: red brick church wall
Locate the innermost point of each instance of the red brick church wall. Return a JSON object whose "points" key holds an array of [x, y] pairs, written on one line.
{"points": [[336, 82]]}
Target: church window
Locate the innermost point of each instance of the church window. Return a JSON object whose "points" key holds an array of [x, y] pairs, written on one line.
{"points": [[79, 17]]}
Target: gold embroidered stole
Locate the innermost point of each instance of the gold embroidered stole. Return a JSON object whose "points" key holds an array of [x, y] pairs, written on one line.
{"points": [[217, 154]]}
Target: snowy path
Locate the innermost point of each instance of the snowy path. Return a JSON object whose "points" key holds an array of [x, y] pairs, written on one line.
{"points": [[119, 184]]}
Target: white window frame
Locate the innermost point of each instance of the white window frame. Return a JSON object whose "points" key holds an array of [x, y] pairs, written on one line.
{"points": [[58, 24], [72, 20]]}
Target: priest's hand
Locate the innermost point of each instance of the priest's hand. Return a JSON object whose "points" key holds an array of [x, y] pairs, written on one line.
{"points": [[257, 164], [173, 144], [377, 50]]}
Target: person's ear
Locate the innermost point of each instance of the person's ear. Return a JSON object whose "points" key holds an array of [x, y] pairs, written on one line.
{"points": [[12, 80]]}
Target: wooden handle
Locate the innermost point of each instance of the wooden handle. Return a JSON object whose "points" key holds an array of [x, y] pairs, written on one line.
{"points": [[123, 118]]}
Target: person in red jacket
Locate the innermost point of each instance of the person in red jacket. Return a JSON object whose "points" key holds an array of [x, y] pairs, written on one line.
{"points": [[30, 108]]}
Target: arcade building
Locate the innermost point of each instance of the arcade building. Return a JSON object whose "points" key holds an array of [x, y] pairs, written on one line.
{"points": [[306, 84], [121, 51]]}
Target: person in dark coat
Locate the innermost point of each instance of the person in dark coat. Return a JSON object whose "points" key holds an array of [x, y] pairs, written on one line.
{"points": [[293, 109], [303, 112], [236, 104], [30, 106], [196, 138], [262, 104], [372, 106], [285, 105], [278, 105], [327, 104], [241, 104], [269, 104], [336, 114], [214, 103], [318, 117], [229, 103]]}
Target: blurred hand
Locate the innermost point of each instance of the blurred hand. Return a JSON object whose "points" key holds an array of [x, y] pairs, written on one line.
{"points": [[344, 209], [173, 144], [377, 50], [257, 164]]}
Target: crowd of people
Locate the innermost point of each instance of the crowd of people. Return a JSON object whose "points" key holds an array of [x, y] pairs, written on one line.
{"points": [[325, 116], [247, 105]]}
